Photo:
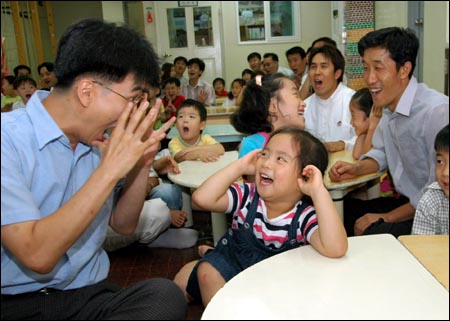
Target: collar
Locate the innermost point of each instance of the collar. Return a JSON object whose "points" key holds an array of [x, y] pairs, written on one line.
{"points": [[406, 100], [188, 145]]}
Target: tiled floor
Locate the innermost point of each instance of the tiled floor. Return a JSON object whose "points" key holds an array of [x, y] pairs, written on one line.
{"points": [[137, 262]]}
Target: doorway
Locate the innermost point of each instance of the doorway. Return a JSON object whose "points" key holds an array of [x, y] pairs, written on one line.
{"points": [[192, 32]]}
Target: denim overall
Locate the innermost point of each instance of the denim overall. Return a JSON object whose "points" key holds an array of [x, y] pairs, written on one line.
{"points": [[239, 248]]}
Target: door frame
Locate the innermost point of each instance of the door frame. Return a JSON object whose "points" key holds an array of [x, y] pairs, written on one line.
{"points": [[192, 51]]}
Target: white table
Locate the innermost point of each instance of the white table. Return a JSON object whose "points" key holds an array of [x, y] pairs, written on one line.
{"points": [[194, 173], [377, 279], [223, 133], [338, 190]]}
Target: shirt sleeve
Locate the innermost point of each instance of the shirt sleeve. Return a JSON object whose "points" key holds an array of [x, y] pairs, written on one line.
{"points": [[249, 144], [425, 219], [175, 146], [377, 152], [17, 201], [211, 100]]}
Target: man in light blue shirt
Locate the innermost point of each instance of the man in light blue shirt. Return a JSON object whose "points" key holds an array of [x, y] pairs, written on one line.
{"points": [[59, 175], [404, 139]]}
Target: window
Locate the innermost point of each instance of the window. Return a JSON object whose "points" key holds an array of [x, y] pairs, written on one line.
{"points": [[176, 23], [268, 21]]}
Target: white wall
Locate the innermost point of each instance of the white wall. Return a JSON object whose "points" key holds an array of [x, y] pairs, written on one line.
{"points": [[390, 14], [150, 29], [434, 38], [112, 11]]}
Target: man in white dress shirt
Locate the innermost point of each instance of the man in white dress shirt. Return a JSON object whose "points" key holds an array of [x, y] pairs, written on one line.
{"points": [[197, 88], [327, 114]]}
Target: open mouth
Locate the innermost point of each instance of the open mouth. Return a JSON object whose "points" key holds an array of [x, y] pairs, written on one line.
{"points": [[375, 91], [318, 84], [265, 180]]}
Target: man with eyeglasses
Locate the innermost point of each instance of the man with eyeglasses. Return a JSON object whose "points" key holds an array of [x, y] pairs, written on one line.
{"points": [[63, 181]]}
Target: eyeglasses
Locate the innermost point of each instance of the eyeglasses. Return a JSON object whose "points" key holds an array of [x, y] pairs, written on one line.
{"points": [[135, 100]]}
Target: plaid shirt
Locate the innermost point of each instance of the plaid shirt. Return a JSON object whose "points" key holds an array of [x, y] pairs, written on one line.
{"points": [[432, 212], [193, 92]]}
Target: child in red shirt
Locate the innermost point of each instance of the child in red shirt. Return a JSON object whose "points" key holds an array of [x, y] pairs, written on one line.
{"points": [[219, 87], [172, 98]]}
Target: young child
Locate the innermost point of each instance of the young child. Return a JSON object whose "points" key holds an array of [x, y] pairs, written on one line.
{"points": [[191, 144], [246, 75], [172, 98], [269, 216], [364, 119], [268, 103], [152, 97], [25, 87], [219, 88], [432, 210], [236, 87], [10, 95]]}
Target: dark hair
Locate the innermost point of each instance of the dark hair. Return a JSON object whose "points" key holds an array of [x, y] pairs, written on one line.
{"points": [[257, 73], [10, 79], [106, 51], [333, 54], [441, 140], [198, 62], [49, 65], [272, 55], [252, 116], [364, 100], [18, 67], [172, 80], [241, 81], [166, 68], [327, 40], [180, 58], [197, 105], [311, 151], [246, 71], [218, 79], [254, 55], [296, 50], [23, 80], [402, 45]]}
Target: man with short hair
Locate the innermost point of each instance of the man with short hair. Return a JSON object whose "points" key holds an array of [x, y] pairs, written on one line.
{"points": [[296, 57], [63, 181], [197, 88], [271, 65], [403, 140]]}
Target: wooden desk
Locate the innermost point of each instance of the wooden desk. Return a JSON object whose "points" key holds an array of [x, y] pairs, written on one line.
{"points": [[194, 173], [377, 279], [223, 133], [338, 190], [432, 252], [219, 114], [220, 101]]}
